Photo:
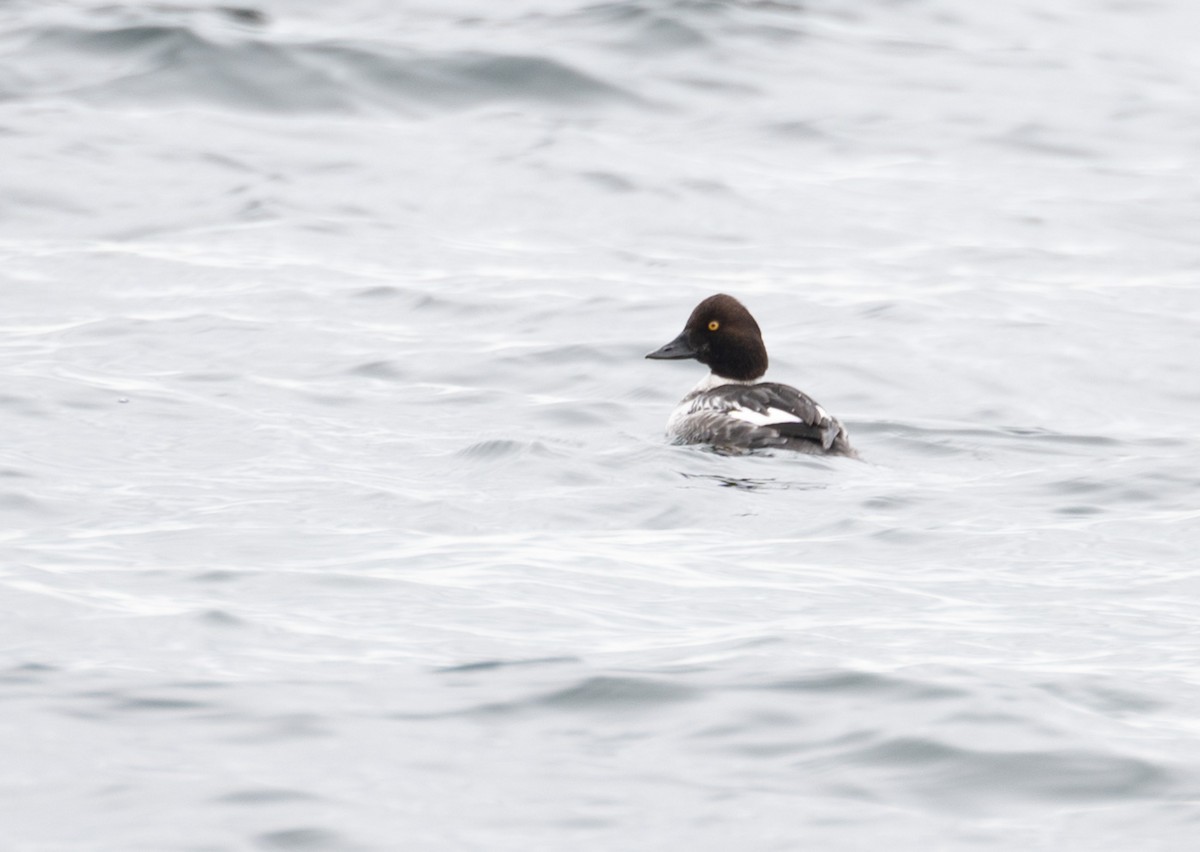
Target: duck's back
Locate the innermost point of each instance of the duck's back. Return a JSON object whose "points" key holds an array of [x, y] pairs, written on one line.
{"points": [[742, 417]]}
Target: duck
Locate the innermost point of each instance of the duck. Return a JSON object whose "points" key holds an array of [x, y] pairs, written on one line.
{"points": [[732, 410]]}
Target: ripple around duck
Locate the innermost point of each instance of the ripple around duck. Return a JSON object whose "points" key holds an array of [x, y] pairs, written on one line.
{"points": [[499, 449], [752, 484], [951, 439]]}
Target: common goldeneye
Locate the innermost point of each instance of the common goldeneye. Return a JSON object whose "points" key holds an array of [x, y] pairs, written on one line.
{"points": [[731, 409]]}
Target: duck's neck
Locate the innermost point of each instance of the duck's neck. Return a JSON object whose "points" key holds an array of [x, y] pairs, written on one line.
{"points": [[712, 380]]}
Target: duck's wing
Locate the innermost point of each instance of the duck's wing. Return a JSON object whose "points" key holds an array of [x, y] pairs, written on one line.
{"points": [[779, 416]]}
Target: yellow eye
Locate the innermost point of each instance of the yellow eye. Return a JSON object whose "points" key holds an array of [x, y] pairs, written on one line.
{"points": [[713, 325]]}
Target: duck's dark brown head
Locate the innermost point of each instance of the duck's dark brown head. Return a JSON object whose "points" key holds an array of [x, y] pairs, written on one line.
{"points": [[721, 334]]}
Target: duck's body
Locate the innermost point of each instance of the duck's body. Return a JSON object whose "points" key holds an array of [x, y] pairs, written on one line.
{"points": [[731, 409]]}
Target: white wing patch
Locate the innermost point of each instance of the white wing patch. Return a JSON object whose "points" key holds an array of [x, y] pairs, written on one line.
{"points": [[772, 415]]}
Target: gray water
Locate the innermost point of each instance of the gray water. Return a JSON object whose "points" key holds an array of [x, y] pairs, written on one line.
{"points": [[337, 510]]}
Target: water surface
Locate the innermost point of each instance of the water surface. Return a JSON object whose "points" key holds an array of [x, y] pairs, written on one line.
{"points": [[337, 512]]}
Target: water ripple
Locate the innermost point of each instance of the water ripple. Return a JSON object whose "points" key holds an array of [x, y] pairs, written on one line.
{"points": [[175, 64], [972, 777]]}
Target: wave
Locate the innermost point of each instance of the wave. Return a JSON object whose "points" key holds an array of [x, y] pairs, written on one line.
{"points": [[165, 65]]}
